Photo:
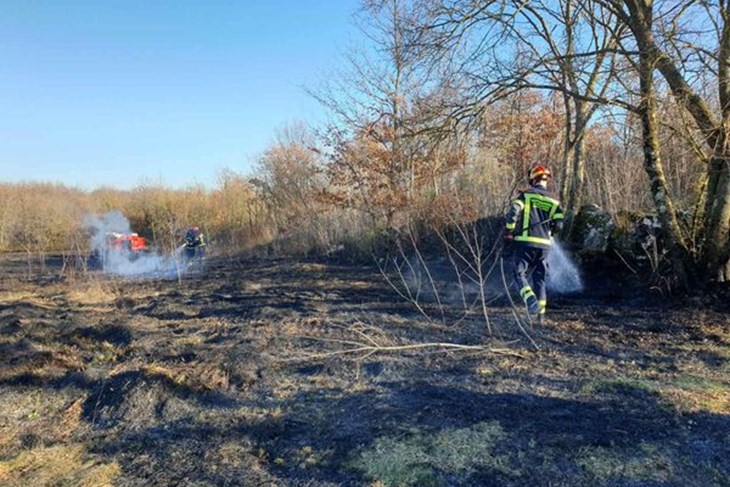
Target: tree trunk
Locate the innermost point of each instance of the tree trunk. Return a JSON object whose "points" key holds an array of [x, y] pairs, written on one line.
{"points": [[652, 159], [577, 179], [567, 155], [565, 172], [716, 242], [716, 248]]}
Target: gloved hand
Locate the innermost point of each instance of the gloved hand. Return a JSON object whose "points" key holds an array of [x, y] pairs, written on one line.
{"points": [[508, 237]]}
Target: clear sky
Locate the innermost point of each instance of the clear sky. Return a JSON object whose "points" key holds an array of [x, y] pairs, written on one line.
{"points": [[111, 92]]}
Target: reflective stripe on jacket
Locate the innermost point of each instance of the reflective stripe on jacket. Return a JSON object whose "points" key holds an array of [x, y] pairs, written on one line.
{"points": [[197, 242], [533, 216]]}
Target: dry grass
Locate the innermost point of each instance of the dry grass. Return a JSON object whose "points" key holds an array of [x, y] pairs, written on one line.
{"points": [[15, 296], [91, 294], [235, 455], [692, 394], [194, 383], [47, 418], [44, 363], [312, 267], [31, 297], [60, 465], [198, 377]]}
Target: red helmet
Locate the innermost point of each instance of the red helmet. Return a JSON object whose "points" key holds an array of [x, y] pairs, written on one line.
{"points": [[539, 172]]}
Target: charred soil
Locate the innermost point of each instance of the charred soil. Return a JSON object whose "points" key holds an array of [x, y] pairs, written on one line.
{"points": [[246, 374]]}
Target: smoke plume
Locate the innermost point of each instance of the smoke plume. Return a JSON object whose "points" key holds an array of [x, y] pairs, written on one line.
{"points": [[119, 262]]}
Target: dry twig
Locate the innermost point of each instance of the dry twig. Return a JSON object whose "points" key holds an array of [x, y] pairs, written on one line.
{"points": [[366, 345]]}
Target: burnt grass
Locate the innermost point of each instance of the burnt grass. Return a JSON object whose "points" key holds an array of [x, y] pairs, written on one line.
{"points": [[235, 376]]}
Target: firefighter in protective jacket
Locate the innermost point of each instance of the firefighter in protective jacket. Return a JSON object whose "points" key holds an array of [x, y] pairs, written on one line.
{"points": [[194, 243], [531, 221]]}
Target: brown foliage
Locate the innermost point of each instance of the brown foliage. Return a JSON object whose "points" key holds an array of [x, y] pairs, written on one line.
{"points": [[524, 128], [37, 218]]}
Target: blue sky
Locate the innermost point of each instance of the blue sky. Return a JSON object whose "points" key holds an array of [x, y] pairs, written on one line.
{"points": [[116, 92]]}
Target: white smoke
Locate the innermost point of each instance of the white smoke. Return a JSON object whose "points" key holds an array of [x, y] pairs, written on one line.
{"points": [[563, 275], [141, 264]]}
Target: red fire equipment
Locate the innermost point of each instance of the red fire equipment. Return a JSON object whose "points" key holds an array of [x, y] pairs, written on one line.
{"points": [[126, 242]]}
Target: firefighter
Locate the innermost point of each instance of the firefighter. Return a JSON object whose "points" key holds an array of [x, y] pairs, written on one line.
{"points": [[194, 242], [532, 219]]}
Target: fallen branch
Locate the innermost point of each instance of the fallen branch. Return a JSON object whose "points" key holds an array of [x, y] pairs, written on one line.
{"points": [[370, 349]]}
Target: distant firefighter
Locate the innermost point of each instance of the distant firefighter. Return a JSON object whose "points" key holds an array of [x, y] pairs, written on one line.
{"points": [[194, 243]]}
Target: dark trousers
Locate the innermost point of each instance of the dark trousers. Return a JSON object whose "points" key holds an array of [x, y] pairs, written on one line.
{"points": [[531, 262], [193, 251]]}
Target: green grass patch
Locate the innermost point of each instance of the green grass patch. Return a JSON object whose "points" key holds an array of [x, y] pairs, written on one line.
{"points": [[647, 463], [692, 393], [686, 393], [423, 458], [621, 386]]}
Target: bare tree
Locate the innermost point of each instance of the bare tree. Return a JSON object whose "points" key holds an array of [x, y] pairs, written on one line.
{"points": [[290, 177], [499, 47], [676, 38], [382, 155], [590, 50]]}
